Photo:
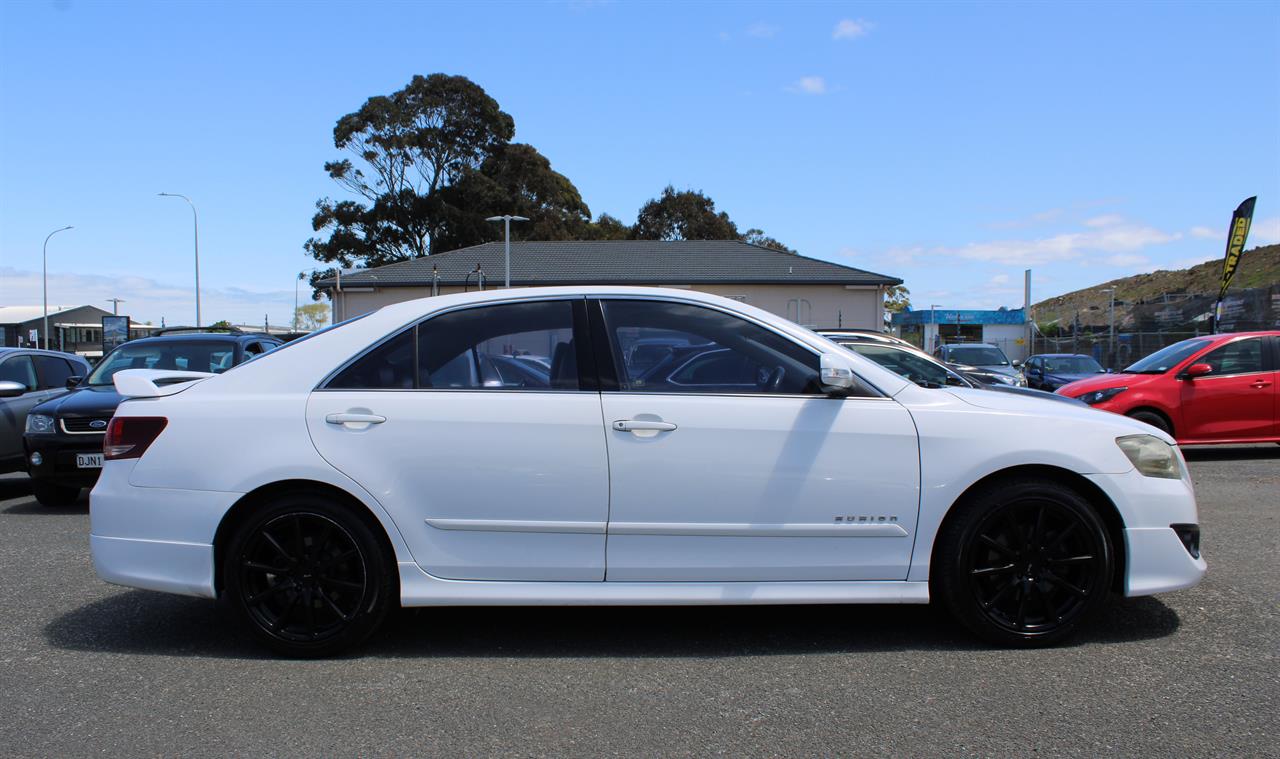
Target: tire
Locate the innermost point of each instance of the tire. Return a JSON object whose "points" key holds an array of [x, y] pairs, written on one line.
{"points": [[1151, 418], [53, 494], [1024, 563], [307, 577]]}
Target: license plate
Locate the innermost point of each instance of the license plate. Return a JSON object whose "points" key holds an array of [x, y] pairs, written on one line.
{"points": [[88, 460]]}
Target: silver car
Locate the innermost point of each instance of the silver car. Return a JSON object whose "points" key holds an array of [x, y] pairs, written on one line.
{"points": [[29, 377]]}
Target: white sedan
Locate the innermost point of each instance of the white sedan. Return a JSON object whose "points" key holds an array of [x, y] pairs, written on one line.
{"points": [[407, 457]]}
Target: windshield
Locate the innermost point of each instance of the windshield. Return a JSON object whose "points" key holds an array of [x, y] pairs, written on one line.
{"points": [[189, 356], [1071, 365], [919, 369], [976, 355], [1166, 358]]}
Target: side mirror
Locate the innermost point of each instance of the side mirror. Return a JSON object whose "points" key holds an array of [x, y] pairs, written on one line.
{"points": [[1197, 370], [1108, 371], [11, 389], [834, 375], [1016, 363], [73, 381]]}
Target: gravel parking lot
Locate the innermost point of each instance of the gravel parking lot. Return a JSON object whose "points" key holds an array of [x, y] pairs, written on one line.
{"points": [[88, 668]]}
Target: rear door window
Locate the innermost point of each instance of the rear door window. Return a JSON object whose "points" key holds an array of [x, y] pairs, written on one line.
{"points": [[19, 369], [53, 371]]}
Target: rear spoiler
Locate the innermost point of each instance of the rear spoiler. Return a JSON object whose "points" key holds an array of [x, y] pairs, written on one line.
{"points": [[155, 383]]}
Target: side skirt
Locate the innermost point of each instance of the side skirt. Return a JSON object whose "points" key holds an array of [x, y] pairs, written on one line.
{"points": [[417, 588]]}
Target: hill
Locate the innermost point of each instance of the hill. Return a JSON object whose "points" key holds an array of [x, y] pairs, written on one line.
{"points": [[1259, 267]]}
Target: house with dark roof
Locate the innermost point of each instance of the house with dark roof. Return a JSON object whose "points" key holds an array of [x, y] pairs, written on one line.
{"points": [[809, 291]]}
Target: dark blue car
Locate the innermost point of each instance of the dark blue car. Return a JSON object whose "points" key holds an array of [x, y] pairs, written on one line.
{"points": [[1050, 371]]}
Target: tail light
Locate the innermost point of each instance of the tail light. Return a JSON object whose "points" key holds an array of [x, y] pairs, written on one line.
{"points": [[128, 437]]}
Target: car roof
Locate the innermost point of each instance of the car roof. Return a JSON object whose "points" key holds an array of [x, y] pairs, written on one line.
{"points": [[201, 337], [1061, 355], [4, 351]]}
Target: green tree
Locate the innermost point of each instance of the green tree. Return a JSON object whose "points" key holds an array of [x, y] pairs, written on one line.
{"points": [[606, 228], [897, 298], [404, 149], [758, 237], [684, 215], [311, 316]]}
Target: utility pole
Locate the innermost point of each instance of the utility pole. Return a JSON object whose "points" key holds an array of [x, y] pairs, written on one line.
{"points": [[115, 305], [1111, 335]]}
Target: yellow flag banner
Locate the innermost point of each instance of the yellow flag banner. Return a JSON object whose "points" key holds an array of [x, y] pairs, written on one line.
{"points": [[1236, 237]]}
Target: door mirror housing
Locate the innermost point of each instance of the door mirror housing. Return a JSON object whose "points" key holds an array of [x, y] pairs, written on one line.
{"points": [[834, 375], [11, 389], [1016, 363], [74, 380], [1197, 370]]}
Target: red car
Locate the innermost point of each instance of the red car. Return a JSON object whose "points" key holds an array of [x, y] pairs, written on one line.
{"points": [[1212, 389]]}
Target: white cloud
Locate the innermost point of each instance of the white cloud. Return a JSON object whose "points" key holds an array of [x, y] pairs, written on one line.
{"points": [[1113, 237], [149, 300], [1106, 220], [810, 85], [1205, 233], [848, 29], [1265, 231], [999, 279], [762, 30]]}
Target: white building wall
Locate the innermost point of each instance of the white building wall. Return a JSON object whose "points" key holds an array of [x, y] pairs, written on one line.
{"points": [[819, 306], [1011, 338]]}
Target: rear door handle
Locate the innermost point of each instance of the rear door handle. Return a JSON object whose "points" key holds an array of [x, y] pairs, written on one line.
{"points": [[351, 418], [642, 425]]}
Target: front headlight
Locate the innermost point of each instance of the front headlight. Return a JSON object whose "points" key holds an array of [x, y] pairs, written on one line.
{"points": [[1098, 396], [39, 423], [1020, 380], [1151, 456]]}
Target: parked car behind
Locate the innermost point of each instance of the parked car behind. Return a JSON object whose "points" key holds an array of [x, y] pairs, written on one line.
{"points": [[29, 377], [1050, 371], [348, 482], [1212, 389], [63, 436], [983, 357], [927, 371]]}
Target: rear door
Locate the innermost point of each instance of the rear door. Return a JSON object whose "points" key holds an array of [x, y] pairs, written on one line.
{"points": [[1235, 401], [489, 476], [728, 463]]}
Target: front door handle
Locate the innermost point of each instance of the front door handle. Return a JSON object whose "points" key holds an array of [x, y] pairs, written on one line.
{"points": [[353, 418], [642, 425], [1261, 384]]}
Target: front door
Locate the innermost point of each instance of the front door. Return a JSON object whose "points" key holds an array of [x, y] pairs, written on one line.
{"points": [[13, 411], [728, 464], [1235, 401], [485, 448]]}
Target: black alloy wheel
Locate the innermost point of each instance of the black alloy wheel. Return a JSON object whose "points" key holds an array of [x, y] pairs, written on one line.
{"points": [[1151, 418], [1026, 563], [308, 577]]}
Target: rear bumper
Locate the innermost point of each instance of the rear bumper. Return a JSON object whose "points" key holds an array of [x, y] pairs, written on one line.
{"points": [[170, 567], [154, 538]]}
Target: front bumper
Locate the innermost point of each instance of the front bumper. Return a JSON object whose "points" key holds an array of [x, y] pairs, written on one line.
{"points": [[154, 538], [1156, 560], [58, 454]]}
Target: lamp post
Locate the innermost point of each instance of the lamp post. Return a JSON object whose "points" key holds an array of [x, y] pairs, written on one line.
{"points": [[115, 305], [195, 221], [1111, 334], [506, 220], [933, 319], [45, 284]]}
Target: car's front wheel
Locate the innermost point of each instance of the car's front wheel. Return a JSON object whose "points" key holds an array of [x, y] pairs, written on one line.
{"points": [[52, 494], [1024, 563], [308, 577]]}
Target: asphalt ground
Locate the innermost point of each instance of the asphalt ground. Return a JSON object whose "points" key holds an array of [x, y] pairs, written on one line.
{"points": [[87, 668]]}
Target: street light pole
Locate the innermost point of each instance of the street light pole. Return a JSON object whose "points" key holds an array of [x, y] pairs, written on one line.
{"points": [[45, 285], [1111, 334], [195, 221], [115, 305], [506, 220], [933, 319]]}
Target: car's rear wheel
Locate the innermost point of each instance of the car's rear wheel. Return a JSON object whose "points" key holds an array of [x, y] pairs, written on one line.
{"points": [[1024, 563], [1151, 418], [53, 494], [308, 577]]}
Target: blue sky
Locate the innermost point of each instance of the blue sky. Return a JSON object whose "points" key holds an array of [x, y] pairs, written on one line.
{"points": [[949, 144]]}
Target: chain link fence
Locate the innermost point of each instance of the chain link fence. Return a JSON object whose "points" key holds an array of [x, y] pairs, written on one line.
{"points": [[1127, 347]]}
